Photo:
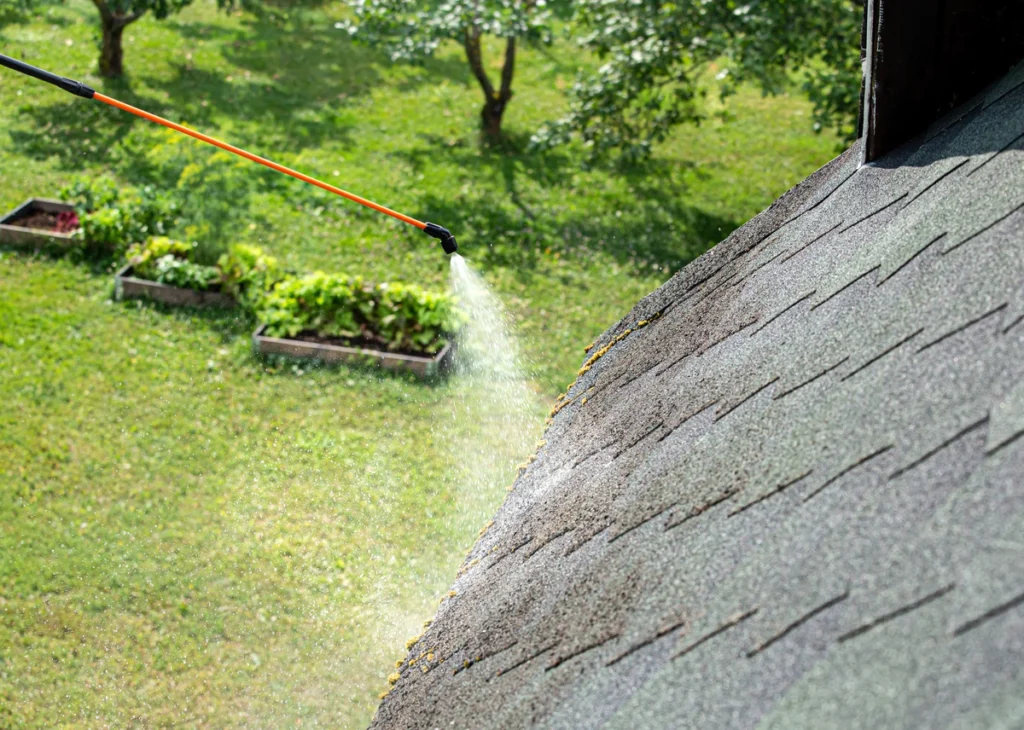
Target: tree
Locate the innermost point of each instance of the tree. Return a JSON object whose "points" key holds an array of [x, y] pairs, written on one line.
{"points": [[412, 31], [115, 16], [656, 55]]}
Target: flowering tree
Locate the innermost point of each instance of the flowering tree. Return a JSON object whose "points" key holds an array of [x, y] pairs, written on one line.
{"points": [[656, 53], [412, 31]]}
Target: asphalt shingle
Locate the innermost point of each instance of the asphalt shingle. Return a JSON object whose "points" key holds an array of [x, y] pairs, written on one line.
{"points": [[790, 491]]}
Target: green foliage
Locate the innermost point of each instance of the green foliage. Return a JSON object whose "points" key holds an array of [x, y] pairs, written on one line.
{"points": [[398, 316], [174, 271], [655, 52], [91, 193], [145, 255], [171, 262], [112, 217], [249, 273], [402, 317], [412, 31], [102, 232]]}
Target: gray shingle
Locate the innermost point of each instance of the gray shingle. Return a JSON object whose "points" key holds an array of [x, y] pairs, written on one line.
{"points": [[793, 495]]}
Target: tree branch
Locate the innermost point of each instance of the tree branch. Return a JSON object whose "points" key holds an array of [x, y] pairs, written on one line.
{"points": [[476, 61], [508, 69], [101, 5], [125, 20], [114, 20]]}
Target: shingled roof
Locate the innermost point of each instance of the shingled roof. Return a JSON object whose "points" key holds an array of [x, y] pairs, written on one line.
{"points": [[787, 490]]}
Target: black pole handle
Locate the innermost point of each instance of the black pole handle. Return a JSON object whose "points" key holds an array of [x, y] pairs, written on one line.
{"points": [[447, 239], [75, 87]]}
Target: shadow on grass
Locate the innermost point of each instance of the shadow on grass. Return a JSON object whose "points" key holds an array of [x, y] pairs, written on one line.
{"points": [[13, 13], [315, 70], [652, 226], [77, 132], [227, 324]]}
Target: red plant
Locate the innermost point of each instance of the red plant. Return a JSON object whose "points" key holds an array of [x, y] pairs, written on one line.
{"points": [[67, 221]]}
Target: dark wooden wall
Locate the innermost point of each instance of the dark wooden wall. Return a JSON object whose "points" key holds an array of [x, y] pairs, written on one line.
{"points": [[924, 57]]}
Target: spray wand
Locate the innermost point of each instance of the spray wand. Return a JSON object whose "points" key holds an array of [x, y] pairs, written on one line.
{"points": [[79, 89]]}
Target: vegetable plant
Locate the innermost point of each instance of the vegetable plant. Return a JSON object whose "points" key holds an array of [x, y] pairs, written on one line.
{"points": [[171, 262], [249, 273], [102, 232], [112, 218], [178, 272], [67, 221], [402, 317]]}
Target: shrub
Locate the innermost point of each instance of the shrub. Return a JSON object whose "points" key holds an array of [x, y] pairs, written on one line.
{"points": [[400, 317], [89, 194], [249, 273]]}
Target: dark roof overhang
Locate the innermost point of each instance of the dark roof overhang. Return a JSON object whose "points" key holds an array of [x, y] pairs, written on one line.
{"points": [[925, 57]]}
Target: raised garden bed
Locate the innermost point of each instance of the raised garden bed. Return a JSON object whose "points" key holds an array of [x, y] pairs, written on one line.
{"points": [[33, 224], [422, 365], [130, 287]]}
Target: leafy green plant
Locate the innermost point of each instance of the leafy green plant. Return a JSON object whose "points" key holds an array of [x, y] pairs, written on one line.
{"points": [[401, 317], [102, 231], [144, 256], [171, 262], [91, 193], [249, 273], [174, 271], [112, 218]]}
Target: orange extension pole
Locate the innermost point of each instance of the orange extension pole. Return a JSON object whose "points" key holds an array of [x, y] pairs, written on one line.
{"points": [[79, 89], [256, 158]]}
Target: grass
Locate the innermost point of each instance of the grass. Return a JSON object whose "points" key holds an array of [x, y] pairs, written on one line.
{"points": [[192, 536]]}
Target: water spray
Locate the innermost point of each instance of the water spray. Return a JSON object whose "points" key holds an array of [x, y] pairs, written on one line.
{"points": [[79, 89]]}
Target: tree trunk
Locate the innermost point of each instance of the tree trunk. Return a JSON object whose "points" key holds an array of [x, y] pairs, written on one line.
{"points": [[490, 120], [112, 24], [111, 50], [495, 100]]}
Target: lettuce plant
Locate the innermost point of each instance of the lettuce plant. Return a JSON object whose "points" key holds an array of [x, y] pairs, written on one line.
{"points": [[249, 273], [401, 317]]}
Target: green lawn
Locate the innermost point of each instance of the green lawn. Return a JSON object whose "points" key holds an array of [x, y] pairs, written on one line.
{"points": [[190, 536]]}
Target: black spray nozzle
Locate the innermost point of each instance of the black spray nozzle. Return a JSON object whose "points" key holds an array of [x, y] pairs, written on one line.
{"points": [[75, 87], [447, 239]]}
